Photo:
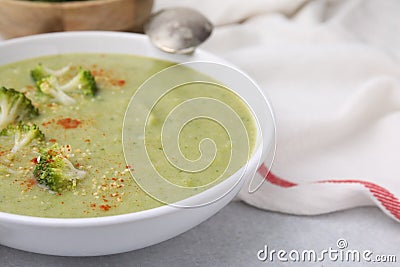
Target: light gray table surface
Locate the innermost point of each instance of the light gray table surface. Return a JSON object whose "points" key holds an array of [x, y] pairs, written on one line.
{"points": [[234, 236]]}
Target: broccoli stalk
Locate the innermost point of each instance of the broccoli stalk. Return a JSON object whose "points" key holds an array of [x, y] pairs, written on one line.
{"points": [[55, 171], [49, 86], [23, 134], [15, 106], [40, 72], [47, 81]]}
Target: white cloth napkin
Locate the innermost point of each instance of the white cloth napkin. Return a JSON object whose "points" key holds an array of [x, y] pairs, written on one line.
{"points": [[331, 70]]}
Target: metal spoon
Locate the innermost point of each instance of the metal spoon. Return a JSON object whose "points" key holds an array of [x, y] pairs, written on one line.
{"points": [[178, 30]]}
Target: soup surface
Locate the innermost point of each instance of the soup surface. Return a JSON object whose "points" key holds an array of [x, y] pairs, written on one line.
{"points": [[93, 127]]}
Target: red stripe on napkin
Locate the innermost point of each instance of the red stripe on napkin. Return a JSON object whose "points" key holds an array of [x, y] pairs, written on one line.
{"points": [[380, 194], [386, 199], [273, 179]]}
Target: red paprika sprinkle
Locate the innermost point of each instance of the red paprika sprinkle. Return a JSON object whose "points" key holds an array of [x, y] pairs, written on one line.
{"points": [[31, 182], [105, 207], [68, 123]]}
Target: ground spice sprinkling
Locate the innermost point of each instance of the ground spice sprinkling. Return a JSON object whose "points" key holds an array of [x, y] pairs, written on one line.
{"points": [[46, 123], [69, 123], [31, 183], [28, 184], [121, 82], [105, 207]]}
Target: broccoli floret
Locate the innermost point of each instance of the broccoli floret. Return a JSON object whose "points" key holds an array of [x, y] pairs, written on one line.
{"points": [[47, 81], [15, 106], [83, 81], [55, 171], [49, 86], [40, 72], [23, 134]]}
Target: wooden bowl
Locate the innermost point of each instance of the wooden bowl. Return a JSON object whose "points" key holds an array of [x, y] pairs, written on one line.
{"points": [[20, 18]]}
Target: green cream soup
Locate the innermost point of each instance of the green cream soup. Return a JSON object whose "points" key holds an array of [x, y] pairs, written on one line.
{"points": [[92, 128]]}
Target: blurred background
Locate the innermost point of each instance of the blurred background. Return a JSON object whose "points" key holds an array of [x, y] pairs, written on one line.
{"points": [[25, 17]]}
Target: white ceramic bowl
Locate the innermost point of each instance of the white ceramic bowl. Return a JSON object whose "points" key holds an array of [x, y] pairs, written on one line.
{"points": [[115, 234]]}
